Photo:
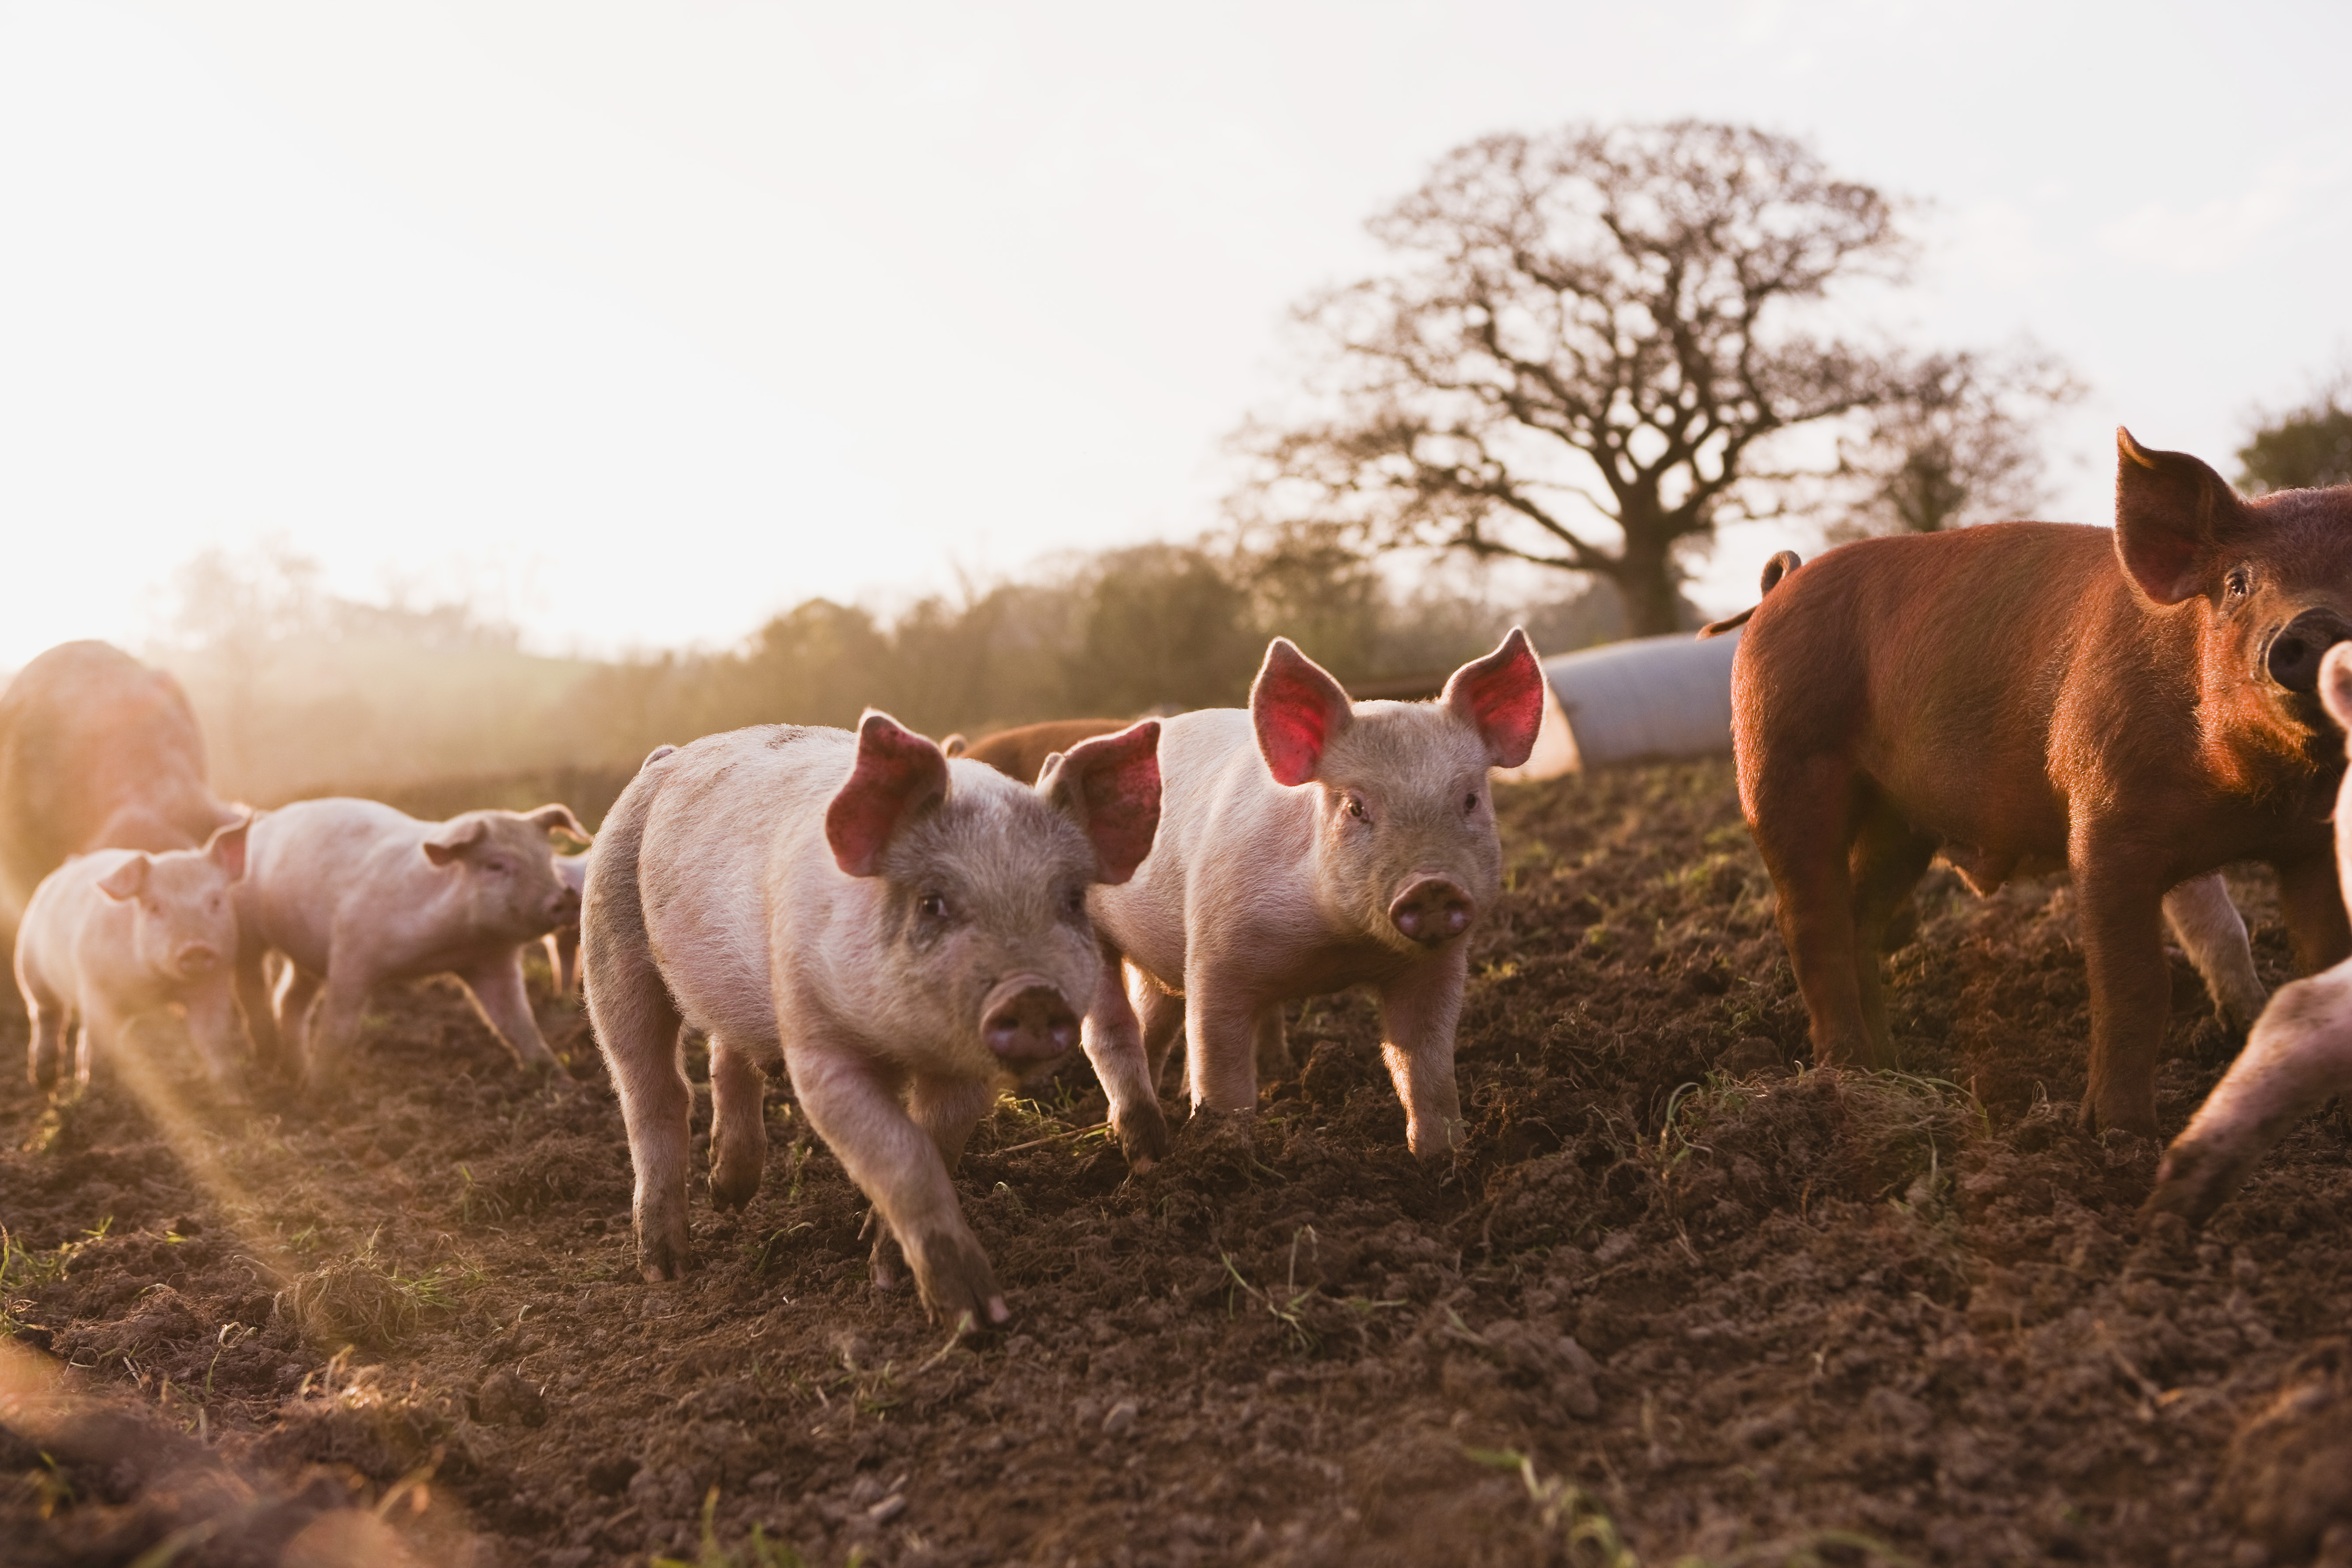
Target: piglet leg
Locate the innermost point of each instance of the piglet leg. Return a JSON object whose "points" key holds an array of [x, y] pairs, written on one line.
{"points": [[895, 1160], [1419, 1012], [739, 1128], [1221, 1043], [1114, 1044], [2213, 933], [2299, 1056], [496, 985]]}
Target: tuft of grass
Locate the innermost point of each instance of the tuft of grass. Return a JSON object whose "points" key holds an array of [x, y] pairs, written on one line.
{"points": [[364, 1300], [755, 1551], [22, 1273]]}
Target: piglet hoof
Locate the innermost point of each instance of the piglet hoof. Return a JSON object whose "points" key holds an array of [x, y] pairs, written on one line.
{"points": [[1143, 1136], [883, 1265], [661, 1259], [956, 1282]]}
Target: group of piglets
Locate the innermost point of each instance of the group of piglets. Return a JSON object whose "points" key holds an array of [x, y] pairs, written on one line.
{"points": [[906, 933], [2140, 708], [146, 893]]}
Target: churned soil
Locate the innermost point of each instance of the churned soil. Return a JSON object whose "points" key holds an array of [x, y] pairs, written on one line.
{"points": [[1679, 1298]]}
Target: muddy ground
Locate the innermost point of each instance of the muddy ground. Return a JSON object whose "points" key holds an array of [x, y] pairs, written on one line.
{"points": [[1678, 1299]]}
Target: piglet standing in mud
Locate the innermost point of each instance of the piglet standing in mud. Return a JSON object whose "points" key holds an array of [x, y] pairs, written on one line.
{"points": [[2138, 707], [356, 894], [114, 934], [1310, 844], [905, 932], [2299, 1056]]}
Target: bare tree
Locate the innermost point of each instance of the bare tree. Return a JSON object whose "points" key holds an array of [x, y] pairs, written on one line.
{"points": [[1962, 448], [1590, 333]]}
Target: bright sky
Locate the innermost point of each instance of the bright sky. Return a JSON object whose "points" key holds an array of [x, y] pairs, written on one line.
{"points": [[644, 321]]}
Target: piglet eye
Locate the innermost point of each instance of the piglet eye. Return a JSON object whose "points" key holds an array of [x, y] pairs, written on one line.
{"points": [[1470, 801], [932, 907], [2239, 582], [1355, 809], [1074, 900]]}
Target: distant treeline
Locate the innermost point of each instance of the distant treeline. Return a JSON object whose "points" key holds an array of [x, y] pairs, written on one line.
{"points": [[301, 693]]}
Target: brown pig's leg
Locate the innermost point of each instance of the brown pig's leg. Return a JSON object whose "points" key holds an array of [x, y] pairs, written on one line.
{"points": [[1888, 860], [2131, 989], [2313, 902], [1802, 819], [739, 1130], [1419, 1010]]}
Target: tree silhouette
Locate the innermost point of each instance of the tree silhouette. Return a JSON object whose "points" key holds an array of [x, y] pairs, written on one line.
{"points": [[2303, 449], [1591, 332]]}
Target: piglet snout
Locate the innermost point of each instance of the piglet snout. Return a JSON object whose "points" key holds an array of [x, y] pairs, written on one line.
{"points": [[1027, 1019], [1432, 909], [564, 906], [2295, 653], [194, 959]]}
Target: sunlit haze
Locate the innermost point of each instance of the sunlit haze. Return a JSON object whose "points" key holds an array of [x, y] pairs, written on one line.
{"points": [[637, 323]]}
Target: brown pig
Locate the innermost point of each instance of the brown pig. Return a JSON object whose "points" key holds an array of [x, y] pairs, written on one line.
{"points": [[355, 893], [2137, 707], [1020, 752], [906, 933], [96, 751], [1308, 845], [114, 934], [2300, 1055]]}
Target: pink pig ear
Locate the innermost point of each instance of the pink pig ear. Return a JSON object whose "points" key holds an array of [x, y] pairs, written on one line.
{"points": [[898, 772], [1111, 784], [128, 880], [227, 849], [1501, 696], [1297, 710], [2336, 683], [2172, 515], [558, 818], [453, 839]]}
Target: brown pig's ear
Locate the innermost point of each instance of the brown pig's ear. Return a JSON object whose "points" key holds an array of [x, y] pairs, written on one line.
{"points": [[558, 818], [1297, 710], [953, 746], [453, 839], [2336, 683], [126, 880], [227, 848], [2172, 515], [898, 773], [1111, 784], [1501, 696]]}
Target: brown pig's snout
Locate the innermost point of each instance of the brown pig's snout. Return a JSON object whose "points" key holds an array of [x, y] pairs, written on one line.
{"points": [[1027, 1019], [1432, 909], [196, 958], [563, 904], [2293, 659]]}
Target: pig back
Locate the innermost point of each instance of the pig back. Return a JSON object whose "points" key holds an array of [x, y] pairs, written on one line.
{"points": [[1941, 663], [89, 737], [724, 819], [1222, 820], [304, 862]]}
